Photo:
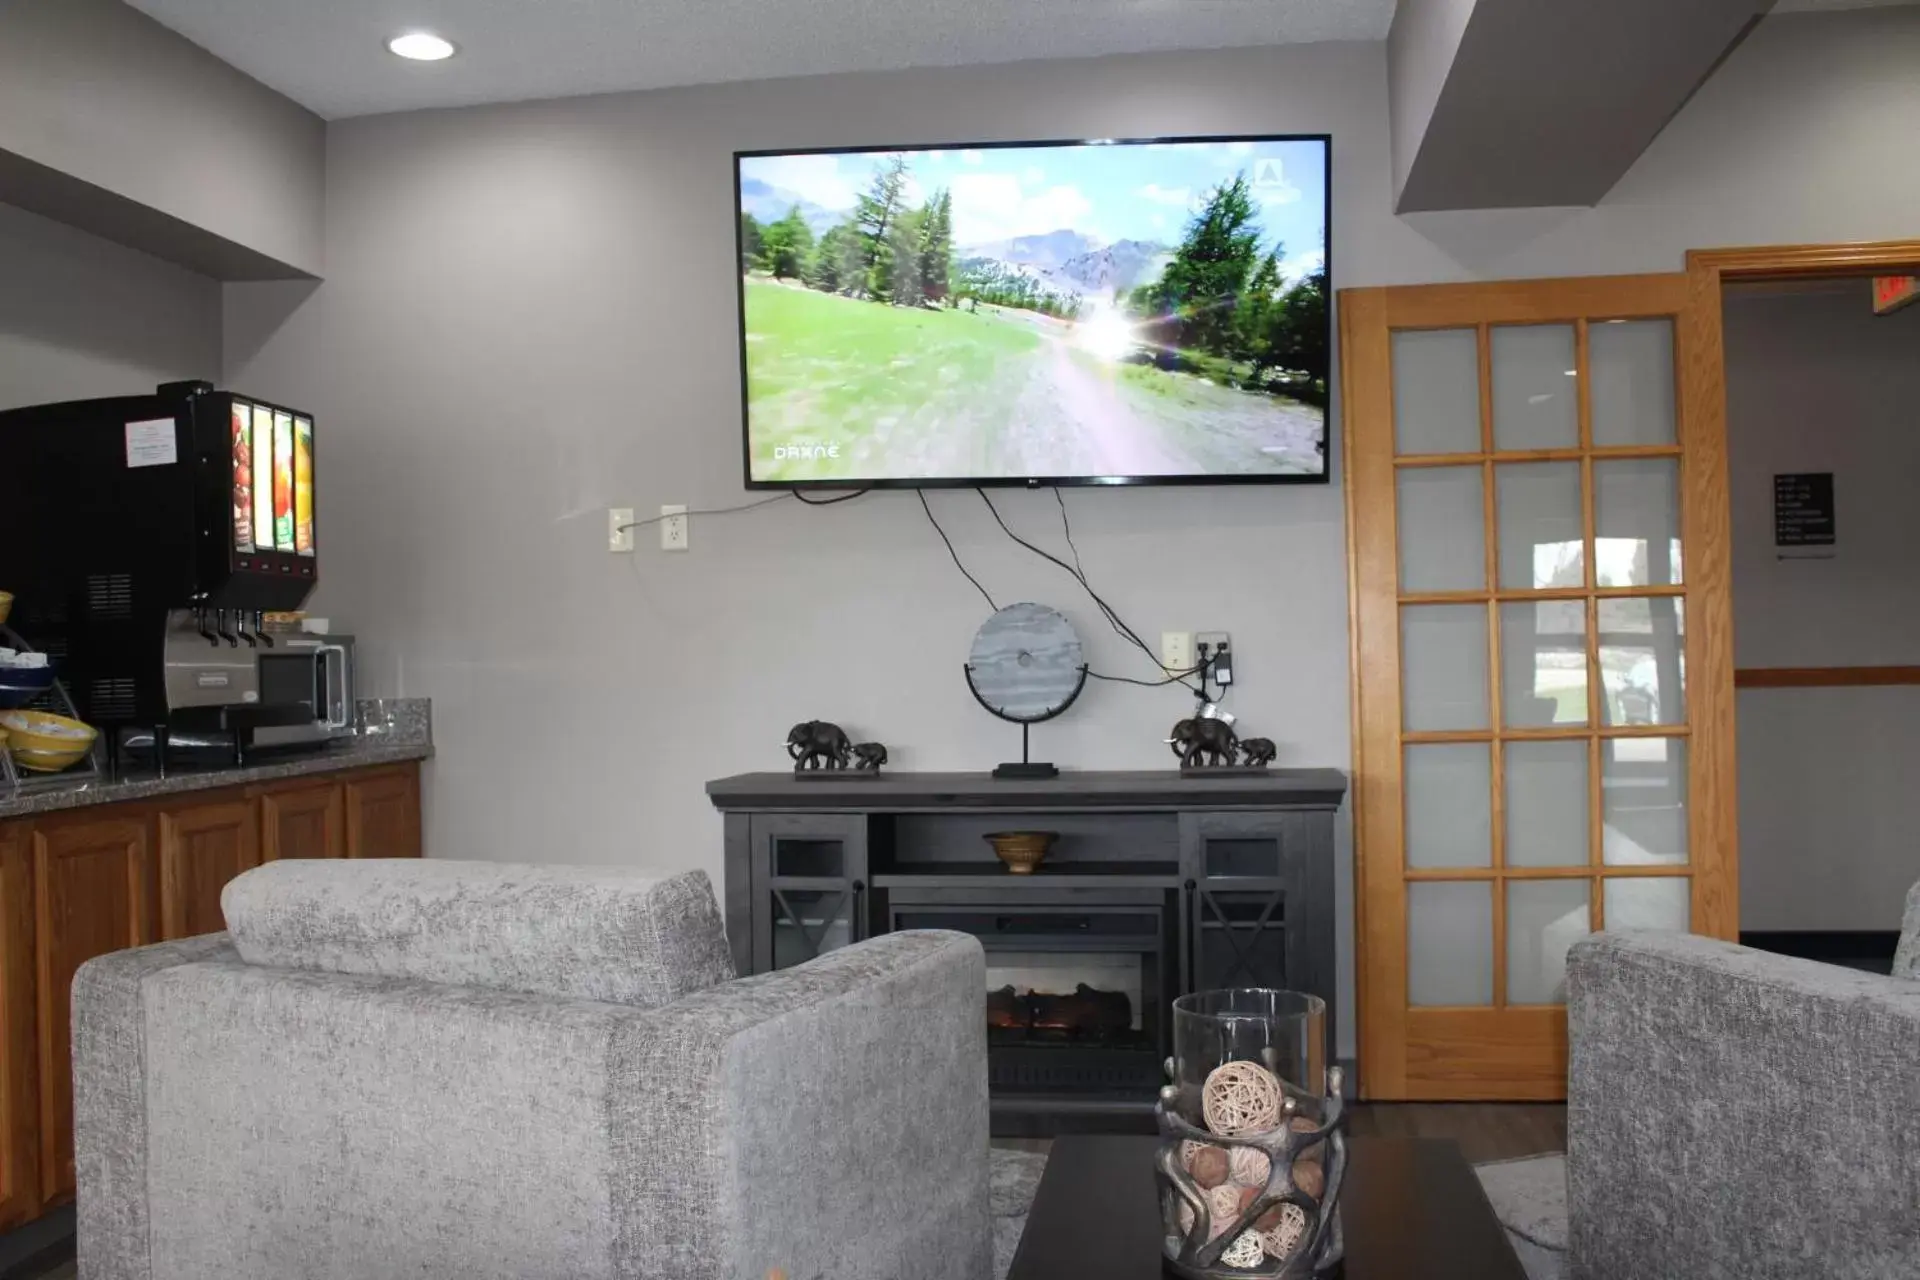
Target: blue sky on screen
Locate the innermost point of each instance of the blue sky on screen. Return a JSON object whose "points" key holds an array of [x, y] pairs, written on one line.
{"points": [[1135, 192]]}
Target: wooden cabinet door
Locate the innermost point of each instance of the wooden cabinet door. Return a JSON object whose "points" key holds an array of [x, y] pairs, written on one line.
{"points": [[304, 822], [201, 848], [383, 814], [19, 1120], [90, 897]]}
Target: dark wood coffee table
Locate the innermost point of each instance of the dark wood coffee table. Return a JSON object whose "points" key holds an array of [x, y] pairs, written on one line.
{"points": [[1412, 1210]]}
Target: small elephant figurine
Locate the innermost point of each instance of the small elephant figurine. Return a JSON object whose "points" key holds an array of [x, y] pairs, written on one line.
{"points": [[1257, 753], [869, 755], [817, 744], [1204, 743]]}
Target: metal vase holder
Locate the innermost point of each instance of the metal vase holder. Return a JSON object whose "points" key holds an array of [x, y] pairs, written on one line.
{"points": [[56, 699], [1190, 1252]]}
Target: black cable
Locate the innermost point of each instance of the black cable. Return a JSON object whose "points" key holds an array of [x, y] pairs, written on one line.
{"points": [[834, 501], [1120, 628], [710, 511], [922, 495], [1066, 527], [1113, 618], [1176, 677]]}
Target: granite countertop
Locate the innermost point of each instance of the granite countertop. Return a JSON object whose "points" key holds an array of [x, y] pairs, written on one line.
{"points": [[405, 733]]}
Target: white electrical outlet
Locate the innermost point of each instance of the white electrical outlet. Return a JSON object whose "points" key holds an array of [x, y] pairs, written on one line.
{"points": [[1176, 650], [673, 527], [619, 528]]}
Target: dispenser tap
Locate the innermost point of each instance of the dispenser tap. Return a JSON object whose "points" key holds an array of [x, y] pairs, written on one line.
{"points": [[220, 627], [260, 628]]}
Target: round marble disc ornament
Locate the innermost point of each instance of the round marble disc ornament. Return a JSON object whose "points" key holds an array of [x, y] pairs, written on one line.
{"points": [[1026, 664]]}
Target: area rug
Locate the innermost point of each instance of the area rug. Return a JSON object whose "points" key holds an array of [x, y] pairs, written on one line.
{"points": [[1529, 1196], [1015, 1177]]}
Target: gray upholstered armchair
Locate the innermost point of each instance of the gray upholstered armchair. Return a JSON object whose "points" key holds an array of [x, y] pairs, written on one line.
{"points": [[1735, 1115], [437, 1069]]}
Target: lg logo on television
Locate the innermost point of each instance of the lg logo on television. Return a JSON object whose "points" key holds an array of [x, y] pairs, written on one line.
{"points": [[805, 452]]}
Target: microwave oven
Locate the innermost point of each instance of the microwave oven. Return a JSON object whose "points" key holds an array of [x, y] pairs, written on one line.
{"points": [[277, 690]]}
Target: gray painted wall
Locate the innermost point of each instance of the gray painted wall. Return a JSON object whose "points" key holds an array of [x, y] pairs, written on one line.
{"points": [[1421, 46], [81, 317], [529, 316], [1828, 809], [101, 93]]}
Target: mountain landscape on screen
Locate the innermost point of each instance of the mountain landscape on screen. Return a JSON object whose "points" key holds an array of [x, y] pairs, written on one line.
{"points": [[1062, 312]]}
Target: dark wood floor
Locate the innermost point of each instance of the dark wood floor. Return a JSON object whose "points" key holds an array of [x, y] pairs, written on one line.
{"points": [[1484, 1130]]}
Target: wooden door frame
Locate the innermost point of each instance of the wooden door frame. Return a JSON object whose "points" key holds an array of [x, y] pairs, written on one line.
{"points": [[1704, 404]]}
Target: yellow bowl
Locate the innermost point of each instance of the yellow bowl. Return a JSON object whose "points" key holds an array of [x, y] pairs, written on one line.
{"points": [[47, 761], [46, 733]]}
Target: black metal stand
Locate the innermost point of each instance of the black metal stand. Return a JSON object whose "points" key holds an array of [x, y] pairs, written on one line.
{"points": [[1026, 767]]}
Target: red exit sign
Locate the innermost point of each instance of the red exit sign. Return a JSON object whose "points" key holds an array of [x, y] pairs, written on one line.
{"points": [[1890, 293]]}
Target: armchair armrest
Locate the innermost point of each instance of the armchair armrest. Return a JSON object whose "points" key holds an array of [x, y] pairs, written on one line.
{"points": [[1737, 1114], [825, 1120]]}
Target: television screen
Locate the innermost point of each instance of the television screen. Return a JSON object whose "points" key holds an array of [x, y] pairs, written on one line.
{"points": [[1039, 313]]}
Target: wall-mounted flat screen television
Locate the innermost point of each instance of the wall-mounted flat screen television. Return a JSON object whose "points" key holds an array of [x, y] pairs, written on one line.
{"points": [[1105, 312]]}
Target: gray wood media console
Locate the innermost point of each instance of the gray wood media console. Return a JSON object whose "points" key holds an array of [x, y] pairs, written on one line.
{"points": [[1157, 885]]}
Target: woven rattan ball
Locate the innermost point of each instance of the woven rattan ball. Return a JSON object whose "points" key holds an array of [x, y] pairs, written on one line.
{"points": [[1250, 1166], [1224, 1204], [1281, 1230], [1240, 1097], [1245, 1251]]}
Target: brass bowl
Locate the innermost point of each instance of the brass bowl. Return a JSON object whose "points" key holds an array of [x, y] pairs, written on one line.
{"points": [[1022, 850]]}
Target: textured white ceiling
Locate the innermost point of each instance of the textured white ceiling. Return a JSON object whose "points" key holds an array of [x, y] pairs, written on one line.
{"points": [[330, 54]]}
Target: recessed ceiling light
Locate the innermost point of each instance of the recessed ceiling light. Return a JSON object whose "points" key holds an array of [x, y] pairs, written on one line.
{"points": [[421, 46]]}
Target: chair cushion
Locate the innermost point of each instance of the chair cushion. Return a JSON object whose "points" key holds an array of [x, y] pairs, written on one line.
{"points": [[588, 933], [1906, 957]]}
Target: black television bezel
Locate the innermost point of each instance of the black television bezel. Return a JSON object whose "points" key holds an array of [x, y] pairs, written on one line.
{"points": [[1028, 482]]}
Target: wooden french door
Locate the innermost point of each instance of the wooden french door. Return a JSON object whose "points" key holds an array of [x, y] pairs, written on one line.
{"points": [[1543, 683]]}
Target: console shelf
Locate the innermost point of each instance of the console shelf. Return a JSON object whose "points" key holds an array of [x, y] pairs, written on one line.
{"points": [[1157, 885]]}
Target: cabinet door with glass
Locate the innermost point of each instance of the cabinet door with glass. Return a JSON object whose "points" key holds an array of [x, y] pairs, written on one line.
{"points": [[809, 885], [1543, 677]]}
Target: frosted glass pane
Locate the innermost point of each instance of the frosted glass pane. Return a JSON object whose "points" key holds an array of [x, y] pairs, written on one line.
{"points": [[1546, 804], [1436, 391], [1643, 660], [1636, 522], [1543, 663], [1449, 943], [1544, 918], [1535, 393], [1443, 529], [1630, 363], [1443, 666], [1644, 902], [1537, 514], [1643, 801], [1449, 805]]}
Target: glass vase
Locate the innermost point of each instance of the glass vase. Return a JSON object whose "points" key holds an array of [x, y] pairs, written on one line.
{"points": [[1252, 1137]]}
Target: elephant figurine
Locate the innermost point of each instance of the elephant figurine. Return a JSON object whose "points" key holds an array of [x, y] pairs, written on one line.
{"points": [[816, 744], [1204, 743], [869, 755], [1257, 753]]}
